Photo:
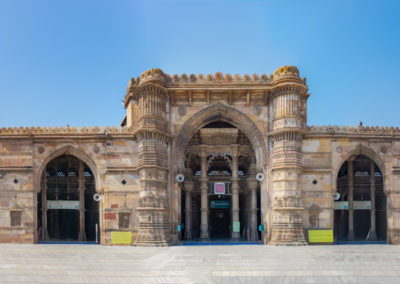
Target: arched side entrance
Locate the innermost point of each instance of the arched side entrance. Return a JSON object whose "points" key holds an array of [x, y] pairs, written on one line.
{"points": [[360, 203], [220, 192], [66, 208]]}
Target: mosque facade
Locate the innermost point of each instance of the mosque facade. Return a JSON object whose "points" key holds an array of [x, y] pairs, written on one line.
{"points": [[202, 158]]}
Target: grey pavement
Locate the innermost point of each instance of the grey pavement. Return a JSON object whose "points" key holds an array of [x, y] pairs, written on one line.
{"points": [[62, 263]]}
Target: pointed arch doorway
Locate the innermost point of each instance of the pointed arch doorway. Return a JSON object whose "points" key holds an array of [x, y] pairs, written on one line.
{"points": [[221, 199], [66, 208], [361, 207]]}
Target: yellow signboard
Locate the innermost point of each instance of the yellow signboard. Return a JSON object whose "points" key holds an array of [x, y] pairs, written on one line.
{"points": [[320, 236], [121, 238]]}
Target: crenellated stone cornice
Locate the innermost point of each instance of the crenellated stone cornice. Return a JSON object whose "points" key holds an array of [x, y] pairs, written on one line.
{"points": [[70, 131], [376, 131], [285, 78]]}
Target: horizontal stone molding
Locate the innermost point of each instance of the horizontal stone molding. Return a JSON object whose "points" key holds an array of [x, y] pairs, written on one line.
{"points": [[68, 130], [353, 130]]}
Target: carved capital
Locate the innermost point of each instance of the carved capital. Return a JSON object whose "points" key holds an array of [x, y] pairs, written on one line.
{"points": [[188, 186], [252, 183]]}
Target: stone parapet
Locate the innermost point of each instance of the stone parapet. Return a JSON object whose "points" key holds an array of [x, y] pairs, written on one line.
{"points": [[353, 130], [68, 130]]}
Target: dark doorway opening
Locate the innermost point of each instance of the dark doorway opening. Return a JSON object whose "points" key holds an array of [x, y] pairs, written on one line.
{"points": [[63, 224], [220, 217], [220, 223], [66, 208], [360, 208]]}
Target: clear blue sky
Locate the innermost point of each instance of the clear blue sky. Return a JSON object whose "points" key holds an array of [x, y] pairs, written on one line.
{"points": [[68, 62]]}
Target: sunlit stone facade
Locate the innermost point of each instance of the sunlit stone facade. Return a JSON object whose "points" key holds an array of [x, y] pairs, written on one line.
{"points": [[154, 180]]}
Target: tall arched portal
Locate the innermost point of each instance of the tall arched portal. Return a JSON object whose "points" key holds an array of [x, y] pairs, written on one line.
{"points": [[221, 194], [360, 202], [66, 207]]}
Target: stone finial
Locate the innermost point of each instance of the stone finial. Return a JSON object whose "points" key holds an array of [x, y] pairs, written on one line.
{"points": [[201, 78], [286, 71], [264, 78], [254, 78], [237, 78], [193, 78], [176, 78], [218, 77], [228, 78], [131, 83], [184, 77], [210, 78], [246, 78], [154, 74]]}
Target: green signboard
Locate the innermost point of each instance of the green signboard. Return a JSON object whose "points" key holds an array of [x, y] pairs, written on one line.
{"points": [[220, 204]]}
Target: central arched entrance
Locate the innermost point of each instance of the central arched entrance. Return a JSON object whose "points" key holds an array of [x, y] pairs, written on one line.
{"points": [[360, 202], [221, 194], [67, 210]]}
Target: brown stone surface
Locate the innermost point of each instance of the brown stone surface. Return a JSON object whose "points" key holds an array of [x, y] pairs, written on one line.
{"points": [[135, 165]]}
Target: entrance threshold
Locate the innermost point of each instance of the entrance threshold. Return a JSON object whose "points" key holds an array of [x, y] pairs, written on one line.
{"points": [[217, 242], [360, 243], [66, 243]]}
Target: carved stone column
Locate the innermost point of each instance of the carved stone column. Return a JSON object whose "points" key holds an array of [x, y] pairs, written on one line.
{"points": [[235, 191], [289, 96], [150, 99], [188, 209], [81, 181], [204, 195], [45, 232], [252, 185], [373, 206], [350, 174]]}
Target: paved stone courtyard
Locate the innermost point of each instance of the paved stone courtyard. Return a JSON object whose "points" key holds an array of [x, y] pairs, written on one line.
{"points": [[57, 263]]}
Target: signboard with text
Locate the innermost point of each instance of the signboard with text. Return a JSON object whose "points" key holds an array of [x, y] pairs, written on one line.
{"points": [[220, 204], [62, 204]]}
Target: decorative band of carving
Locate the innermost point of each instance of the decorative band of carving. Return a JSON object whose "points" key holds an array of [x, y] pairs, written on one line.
{"points": [[68, 130], [287, 135], [151, 134], [351, 130]]}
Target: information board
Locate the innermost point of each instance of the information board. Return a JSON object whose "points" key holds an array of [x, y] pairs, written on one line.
{"points": [[320, 236], [220, 204], [121, 238], [362, 205], [62, 204], [341, 205]]}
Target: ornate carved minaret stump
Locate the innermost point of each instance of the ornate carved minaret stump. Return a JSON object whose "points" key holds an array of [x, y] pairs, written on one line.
{"points": [[289, 95], [148, 112]]}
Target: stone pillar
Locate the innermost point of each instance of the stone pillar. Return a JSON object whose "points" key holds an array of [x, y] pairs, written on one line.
{"points": [[373, 206], [45, 233], [235, 191], [188, 209], [252, 185], [204, 195], [150, 99], [289, 96], [350, 175], [81, 181]]}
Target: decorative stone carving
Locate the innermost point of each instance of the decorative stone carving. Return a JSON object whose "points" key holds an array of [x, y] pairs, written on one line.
{"points": [[181, 110], [219, 136]]}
